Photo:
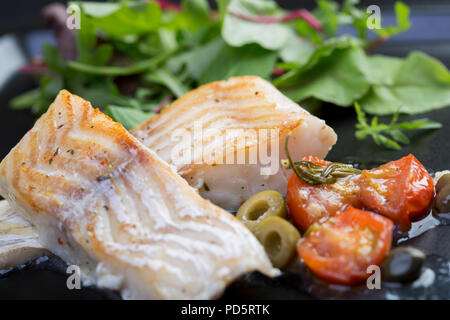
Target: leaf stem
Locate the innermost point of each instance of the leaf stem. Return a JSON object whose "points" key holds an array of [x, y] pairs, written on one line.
{"points": [[138, 67], [293, 15]]}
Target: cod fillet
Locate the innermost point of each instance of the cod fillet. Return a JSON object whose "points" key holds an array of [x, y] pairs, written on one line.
{"points": [[245, 115], [101, 200]]}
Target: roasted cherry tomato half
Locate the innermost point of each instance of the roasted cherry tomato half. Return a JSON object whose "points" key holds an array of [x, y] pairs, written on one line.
{"points": [[400, 190], [341, 249], [309, 204]]}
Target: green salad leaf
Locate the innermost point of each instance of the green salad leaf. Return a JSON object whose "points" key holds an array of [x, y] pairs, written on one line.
{"points": [[248, 60], [123, 19], [130, 118], [339, 78], [238, 31], [402, 13], [133, 57], [415, 85]]}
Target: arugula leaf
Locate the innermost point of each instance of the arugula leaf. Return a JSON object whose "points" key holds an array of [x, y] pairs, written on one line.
{"points": [[86, 39], [48, 89], [164, 77], [100, 94], [356, 17], [25, 100], [328, 14], [129, 118], [378, 131], [53, 59], [417, 85], [138, 67]]}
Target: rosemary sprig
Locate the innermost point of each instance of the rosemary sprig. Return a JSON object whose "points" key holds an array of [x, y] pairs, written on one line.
{"points": [[380, 131], [314, 174]]}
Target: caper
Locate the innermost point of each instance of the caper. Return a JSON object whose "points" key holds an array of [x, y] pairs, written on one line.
{"points": [[279, 239], [403, 264], [260, 206], [442, 199], [443, 181]]}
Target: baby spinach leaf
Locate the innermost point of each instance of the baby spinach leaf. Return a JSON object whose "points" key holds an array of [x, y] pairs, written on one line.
{"points": [[237, 31], [247, 60], [338, 78], [419, 85], [382, 69], [296, 49], [293, 76], [125, 19]]}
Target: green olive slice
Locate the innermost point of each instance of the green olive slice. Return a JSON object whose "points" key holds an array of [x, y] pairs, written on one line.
{"points": [[279, 238], [260, 206]]}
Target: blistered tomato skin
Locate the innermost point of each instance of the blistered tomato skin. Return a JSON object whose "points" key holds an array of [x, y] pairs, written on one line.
{"points": [[400, 190], [309, 204], [341, 249]]}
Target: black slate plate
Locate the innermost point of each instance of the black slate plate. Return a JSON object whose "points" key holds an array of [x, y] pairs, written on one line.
{"points": [[46, 279]]}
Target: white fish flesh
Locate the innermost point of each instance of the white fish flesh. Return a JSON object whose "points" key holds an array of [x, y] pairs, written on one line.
{"points": [[101, 200], [248, 107], [19, 241]]}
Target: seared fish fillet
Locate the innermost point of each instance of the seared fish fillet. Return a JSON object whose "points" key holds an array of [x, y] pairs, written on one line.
{"points": [[19, 241], [221, 109], [101, 200]]}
